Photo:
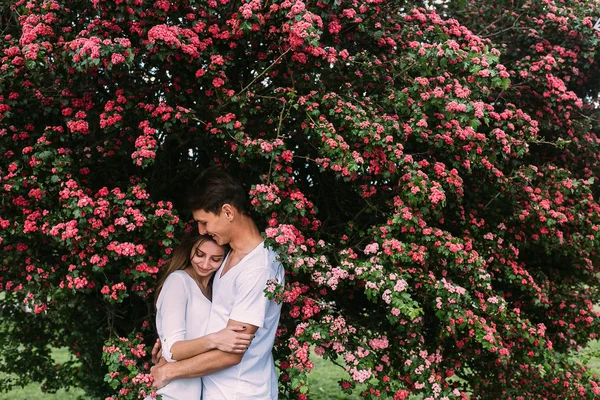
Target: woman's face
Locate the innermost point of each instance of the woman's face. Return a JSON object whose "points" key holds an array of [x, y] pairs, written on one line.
{"points": [[206, 257]]}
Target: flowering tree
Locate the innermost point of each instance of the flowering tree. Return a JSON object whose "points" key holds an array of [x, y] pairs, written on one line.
{"points": [[427, 177]]}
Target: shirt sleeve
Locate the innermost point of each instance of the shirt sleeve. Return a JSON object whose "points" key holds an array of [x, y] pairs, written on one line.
{"points": [[250, 304], [172, 310]]}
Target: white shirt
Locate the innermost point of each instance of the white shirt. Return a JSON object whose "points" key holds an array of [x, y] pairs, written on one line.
{"points": [[239, 295], [182, 314]]}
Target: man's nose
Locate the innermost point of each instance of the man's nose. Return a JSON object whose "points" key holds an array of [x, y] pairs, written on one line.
{"points": [[201, 229]]}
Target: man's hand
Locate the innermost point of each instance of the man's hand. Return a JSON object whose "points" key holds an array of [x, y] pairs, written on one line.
{"points": [[230, 340], [159, 373], [157, 352]]}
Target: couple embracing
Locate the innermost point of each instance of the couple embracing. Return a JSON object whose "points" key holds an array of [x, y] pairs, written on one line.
{"points": [[216, 327]]}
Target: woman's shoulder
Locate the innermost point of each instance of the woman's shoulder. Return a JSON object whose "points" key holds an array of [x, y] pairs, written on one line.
{"points": [[179, 272], [177, 278], [175, 286]]}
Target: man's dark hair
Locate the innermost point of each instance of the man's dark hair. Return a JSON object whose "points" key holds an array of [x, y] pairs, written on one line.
{"points": [[215, 187]]}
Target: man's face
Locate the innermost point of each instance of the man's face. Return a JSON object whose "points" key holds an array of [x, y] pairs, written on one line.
{"points": [[217, 226]]}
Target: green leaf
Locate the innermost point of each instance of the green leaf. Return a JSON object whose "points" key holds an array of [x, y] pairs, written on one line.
{"points": [[44, 155]]}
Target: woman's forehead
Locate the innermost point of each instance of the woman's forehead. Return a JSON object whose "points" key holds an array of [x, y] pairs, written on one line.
{"points": [[208, 245]]}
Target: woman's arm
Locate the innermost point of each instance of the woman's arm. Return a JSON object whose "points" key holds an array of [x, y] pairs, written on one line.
{"points": [[172, 305], [229, 340], [170, 318]]}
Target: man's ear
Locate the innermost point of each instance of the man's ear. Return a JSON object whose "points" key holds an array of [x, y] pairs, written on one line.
{"points": [[229, 211]]}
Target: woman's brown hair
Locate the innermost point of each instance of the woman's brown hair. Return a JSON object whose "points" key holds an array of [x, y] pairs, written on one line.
{"points": [[180, 259]]}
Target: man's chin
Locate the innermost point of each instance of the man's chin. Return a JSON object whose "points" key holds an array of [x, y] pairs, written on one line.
{"points": [[219, 240]]}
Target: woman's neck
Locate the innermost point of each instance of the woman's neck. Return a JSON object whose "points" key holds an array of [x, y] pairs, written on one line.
{"points": [[202, 281]]}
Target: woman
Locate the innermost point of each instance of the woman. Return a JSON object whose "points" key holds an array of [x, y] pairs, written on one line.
{"points": [[183, 301]]}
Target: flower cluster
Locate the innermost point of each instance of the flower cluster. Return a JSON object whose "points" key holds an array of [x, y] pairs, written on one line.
{"points": [[127, 369], [428, 177]]}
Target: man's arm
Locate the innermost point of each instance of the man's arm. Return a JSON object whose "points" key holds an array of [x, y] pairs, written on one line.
{"points": [[200, 365], [227, 340], [230, 340]]}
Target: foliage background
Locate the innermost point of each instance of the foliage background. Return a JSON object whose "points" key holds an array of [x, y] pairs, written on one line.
{"points": [[428, 176]]}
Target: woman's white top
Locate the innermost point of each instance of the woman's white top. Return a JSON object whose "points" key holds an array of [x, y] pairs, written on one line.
{"points": [[182, 314]]}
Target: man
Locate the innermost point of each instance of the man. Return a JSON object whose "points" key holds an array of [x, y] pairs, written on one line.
{"points": [[219, 206]]}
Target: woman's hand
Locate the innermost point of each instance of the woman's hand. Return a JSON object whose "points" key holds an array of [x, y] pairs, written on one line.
{"points": [[157, 352], [231, 340]]}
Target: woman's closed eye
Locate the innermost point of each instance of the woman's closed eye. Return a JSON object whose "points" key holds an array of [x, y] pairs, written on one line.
{"points": [[216, 259]]}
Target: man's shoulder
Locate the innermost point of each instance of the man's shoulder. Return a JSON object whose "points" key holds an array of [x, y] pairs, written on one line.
{"points": [[263, 258]]}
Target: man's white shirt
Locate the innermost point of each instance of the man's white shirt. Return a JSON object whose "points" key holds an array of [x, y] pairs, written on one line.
{"points": [[239, 296]]}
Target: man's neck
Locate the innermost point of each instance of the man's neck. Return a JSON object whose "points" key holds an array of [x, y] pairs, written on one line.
{"points": [[246, 237]]}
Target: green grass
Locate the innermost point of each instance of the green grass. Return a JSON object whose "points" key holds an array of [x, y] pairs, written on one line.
{"points": [[322, 379], [594, 363], [323, 382], [593, 349], [33, 392]]}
